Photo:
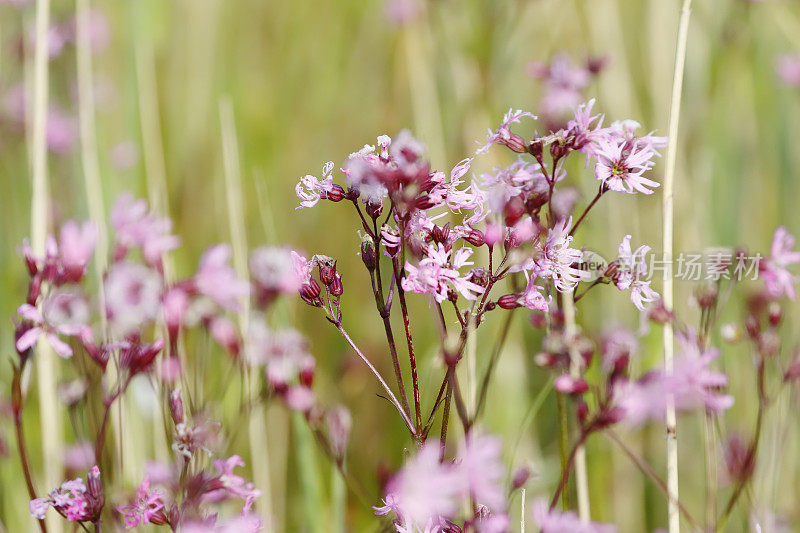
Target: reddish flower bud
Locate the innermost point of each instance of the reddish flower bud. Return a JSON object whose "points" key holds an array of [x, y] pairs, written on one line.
{"points": [[475, 237], [582, 410], [775, 314], [368, 255], [514, 142], [520, 477], [176, 406], [513, 210], [441, 233], [158, 518], [793, 372], [568, 385], [545, 359], [310, 291], [707, 297], [753, 327], [535, 148], [374, 209], [336, 194], [509, 301], [34, 290], [558, 150], [327, 272], [336, 286]]}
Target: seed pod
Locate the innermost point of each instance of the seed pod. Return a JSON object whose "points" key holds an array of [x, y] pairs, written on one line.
{"points": [[374, 209], [514, 142], [475, 237], [441, 233], [535, 148], [327, 272], [310, 291]]}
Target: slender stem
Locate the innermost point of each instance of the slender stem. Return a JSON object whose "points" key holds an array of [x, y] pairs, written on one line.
{"points": [[580, 295], [446, 412], [378, 376], [23, 458], [435, 407], [586, 211], [498, 348], [752, 452], [409, 341], [667, 247], [650, 473], [567, 468], [563, 439]]}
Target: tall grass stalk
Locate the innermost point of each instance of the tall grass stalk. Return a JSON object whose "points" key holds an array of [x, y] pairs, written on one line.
{"points": [[50, 415], [257, 426], [667, 245], [581, 473]]}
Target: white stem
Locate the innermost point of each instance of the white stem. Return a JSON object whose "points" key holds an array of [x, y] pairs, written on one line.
{"points": [[581, 472], [47, 370], [522, 510], [667, 246]]}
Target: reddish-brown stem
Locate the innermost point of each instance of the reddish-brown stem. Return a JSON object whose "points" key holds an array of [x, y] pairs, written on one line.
{"points": [[648, 471], [586, 211], [446, 413], [101, 435], [562, 484], [398, 274], [20, 434]]}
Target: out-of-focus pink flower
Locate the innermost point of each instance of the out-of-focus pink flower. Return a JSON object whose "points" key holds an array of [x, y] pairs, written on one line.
{"points": [[777, 278], [226, 334], [98, 30], [439, 271], [630, 276], [63, 313], [567, 384], [401, 12], [125, 155], [533, 299], [479, 465], [273, 271], [232, 485], [135, 226], [311, 189], [147, 505], [133, 297], [552, 521], [618, 344], [788, 69], [169, 369], [339, 423], [76, 244], [300, 398], [61, 132], [563, 82], [246, 523], [283, 352], [79, 456], [217, 280], [422, 491], [175, 304]]}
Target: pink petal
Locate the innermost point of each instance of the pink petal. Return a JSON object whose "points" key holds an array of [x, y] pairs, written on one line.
{"points": [[28, 339], [29, 312], [61, 347]]}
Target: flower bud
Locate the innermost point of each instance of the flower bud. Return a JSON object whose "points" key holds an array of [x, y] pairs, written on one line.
{"points": [[306, 374], [374, 209], [368, 255], [176, 406], [336, 194], [474, 237], [441, 233], [509, 301], [582, 410], [520, 477], [752, 326], [158, 518], [336, 286], [558, 150], [513, 210], [568, 385], [707, 297], [339, 422], [30, 259], [34, 290], [535, 148], [793, 372], [775, 314], [327, 272], [513, 141], [310, 291]]}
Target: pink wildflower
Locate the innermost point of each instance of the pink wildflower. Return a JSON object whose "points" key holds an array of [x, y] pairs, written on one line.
{"points": [[422, 491], [135, 226], [311, 189], [147, 505], [552, 521], [779, 281], [231, 484], [439, 271], [63, 313], [558, 258], [76, 246], [633, 268], [217, 280], [621, 165], [788, 69], [503, 134], [72, 499], [133, 297], [482, 471]]}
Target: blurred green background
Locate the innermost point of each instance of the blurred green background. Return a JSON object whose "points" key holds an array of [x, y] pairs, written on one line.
{"points": [[313, 81]]}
